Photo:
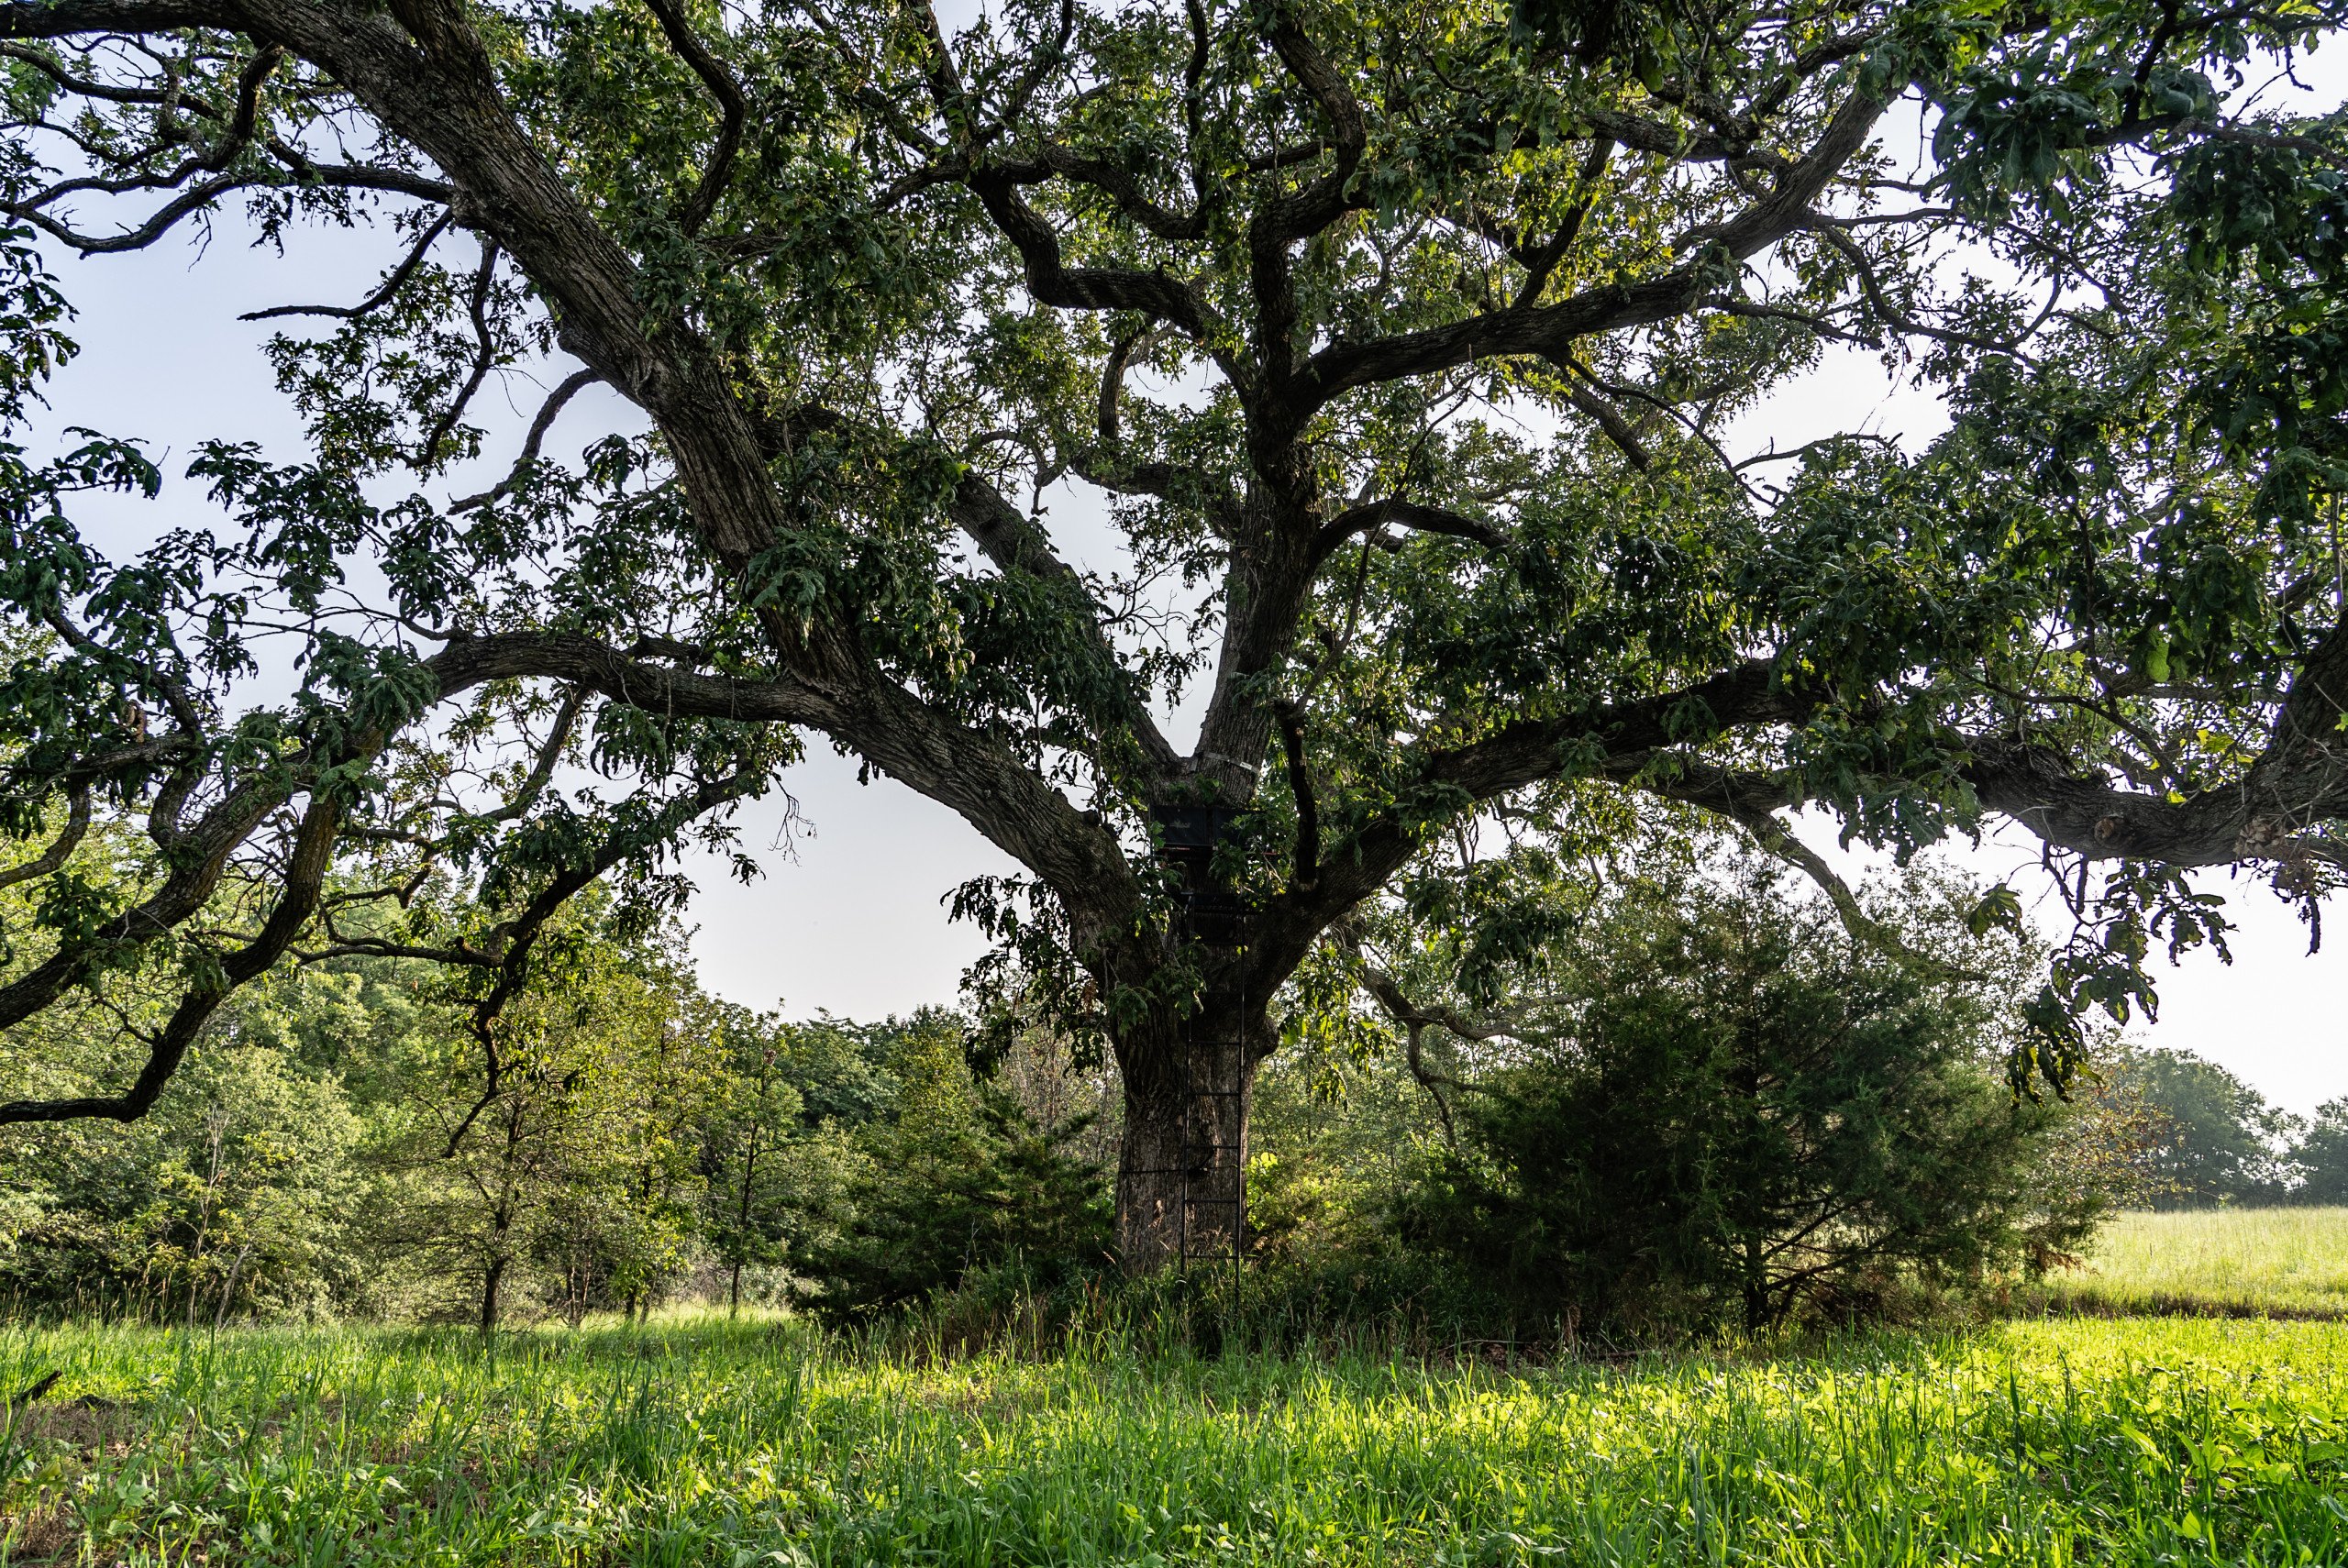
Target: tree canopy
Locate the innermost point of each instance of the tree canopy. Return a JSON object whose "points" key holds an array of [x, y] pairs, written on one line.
{"points": [[1415, 352]]}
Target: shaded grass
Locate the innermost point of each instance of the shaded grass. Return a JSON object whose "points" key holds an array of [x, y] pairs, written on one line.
{"points": [[705, 1441], [2284, 1262]]}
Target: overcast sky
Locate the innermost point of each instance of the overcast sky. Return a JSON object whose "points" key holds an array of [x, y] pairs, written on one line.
{"points": [[847, 919]]}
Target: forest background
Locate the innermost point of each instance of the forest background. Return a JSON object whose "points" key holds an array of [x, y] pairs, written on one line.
{"points": [[336, 1151]]}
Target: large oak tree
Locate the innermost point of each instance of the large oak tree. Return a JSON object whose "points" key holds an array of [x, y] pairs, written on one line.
{"points": [[1401, 342]]}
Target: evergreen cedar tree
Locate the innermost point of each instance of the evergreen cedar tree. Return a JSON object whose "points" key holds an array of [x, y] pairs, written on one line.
{"points": [[1403, 342], [1755, 1114]]}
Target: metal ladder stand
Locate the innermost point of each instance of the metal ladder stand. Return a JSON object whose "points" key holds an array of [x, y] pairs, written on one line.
{"points": [[1214, 1166]]}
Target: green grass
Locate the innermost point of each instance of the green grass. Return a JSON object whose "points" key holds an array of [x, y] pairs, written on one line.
{"points": [[2284, 1261], [703, 1443]]}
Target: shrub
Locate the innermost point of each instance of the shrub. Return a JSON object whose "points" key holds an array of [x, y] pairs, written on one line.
{"points": [[958, 1183], [1746, 1113]]}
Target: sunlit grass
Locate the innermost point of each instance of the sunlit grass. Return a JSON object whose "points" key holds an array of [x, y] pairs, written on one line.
{"points": [[702, 1442], [2280, 1260]]}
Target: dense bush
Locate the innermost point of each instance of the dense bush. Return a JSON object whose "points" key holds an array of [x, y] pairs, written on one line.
{"points": [[957, 1180], [1744, 1112], [334, 1148], [232, 1197]]}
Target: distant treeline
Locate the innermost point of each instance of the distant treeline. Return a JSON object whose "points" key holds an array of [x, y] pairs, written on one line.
{"points": [[2210, 1139]]}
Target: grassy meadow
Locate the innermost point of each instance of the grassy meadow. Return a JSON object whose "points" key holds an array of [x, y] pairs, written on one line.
{"points": [[705, 1441], [2279, 1261], [701, 1439]]}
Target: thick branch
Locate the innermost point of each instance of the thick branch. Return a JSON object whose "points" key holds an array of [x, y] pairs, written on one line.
{"points": [[1121, 187], [566, 719], [1014, 544], [60, 849], [1111, 470], [1540, 264], [1407, 515], [1620, 740], [1305, 864], [1282, 221], [1416, 1019], [1157, 295], [732, 109], [1549, 331], [201, 851], [305, 874], [484, 354], [199, 196], [1609, 420], [63, 19], [514, 939], [2273, 812], [1752, 801]]}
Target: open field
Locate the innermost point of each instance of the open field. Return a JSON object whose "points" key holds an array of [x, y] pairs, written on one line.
{"points": [[2285, 1260], [700, 1441]]}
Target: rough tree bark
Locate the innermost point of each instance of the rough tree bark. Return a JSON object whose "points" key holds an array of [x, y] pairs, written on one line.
{"points": [[1188, 1084], [492, 1278]]}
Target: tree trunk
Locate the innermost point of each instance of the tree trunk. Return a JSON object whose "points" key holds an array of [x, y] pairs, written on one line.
{"points": [[229, 1291], [491, 1278], [1188, 1084], [742, 1216]]}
